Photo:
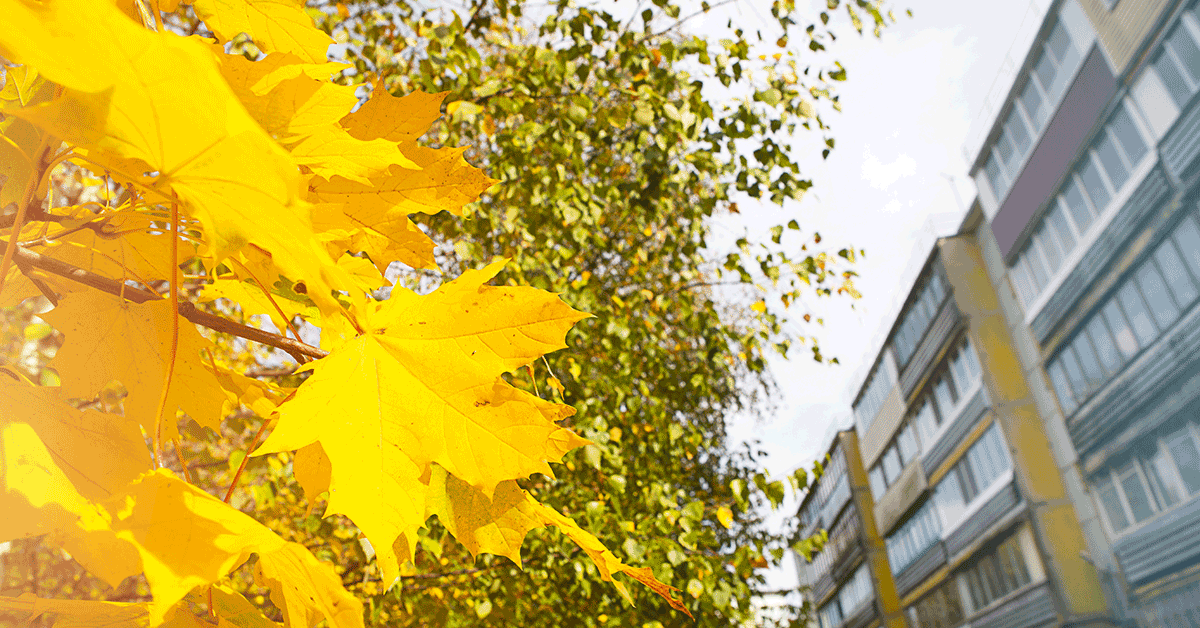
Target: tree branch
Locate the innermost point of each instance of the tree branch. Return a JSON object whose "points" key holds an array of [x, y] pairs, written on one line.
{"points": [[187, 309]]}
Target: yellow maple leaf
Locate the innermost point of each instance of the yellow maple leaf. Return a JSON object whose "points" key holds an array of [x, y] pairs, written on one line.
{"points": [[218, 539], [272, 24], [250, 296], [445, 182], [23, 87], [99, 453], [306, 589], [393, 237], [233, 609], [37, 498], [159, 99], [311, 468], [402, 119], [96, 614], [422, 387], [119, 245], [108, 338]]}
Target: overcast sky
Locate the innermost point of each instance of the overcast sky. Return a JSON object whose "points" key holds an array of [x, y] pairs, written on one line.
{"points": [[911, 100]]}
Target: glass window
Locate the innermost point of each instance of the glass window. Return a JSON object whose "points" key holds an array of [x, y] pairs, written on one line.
{"points": [[1078, 205], [1092, 374], [1034, 104], [1074, 374], [996, 179], [1007, 154], [1045, 71], [1057, 220], [891, 464], [1161, 475], [943, 391], [1106, 348], [878, 484], [1155, 290], [1112, 505], [1136, 312], [1135, 491], [1187, 458], [907, 442], [1061, 388], [1012, 565], [1048, 245], [942, 608], [927, 422], [1181, 72], [1187, 236], [1127, 136], [1127, 344], [1114, 167], [1178, 279], [1016, 129], [1037, 265], [1094, 185], [949, 499]]}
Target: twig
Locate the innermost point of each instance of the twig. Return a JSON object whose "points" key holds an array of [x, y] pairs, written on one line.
{"points": [[187, 309], [174, 296], [31, 186], [242, 467]]}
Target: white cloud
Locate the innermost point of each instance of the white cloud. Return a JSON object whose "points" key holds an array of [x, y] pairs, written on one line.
{"points": [[881, 176]]}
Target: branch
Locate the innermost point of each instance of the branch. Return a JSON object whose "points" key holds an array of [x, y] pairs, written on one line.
{"points": [[187, 309]]}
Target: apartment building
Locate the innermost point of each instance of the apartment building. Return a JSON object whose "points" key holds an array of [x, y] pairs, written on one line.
{"points": [[848, 581], [1089, 228], [1030, 428]]}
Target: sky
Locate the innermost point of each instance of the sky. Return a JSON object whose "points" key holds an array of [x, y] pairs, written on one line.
{"points": [[911, 102]]}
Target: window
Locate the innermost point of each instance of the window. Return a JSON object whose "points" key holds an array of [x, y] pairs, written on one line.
{"points": [[918, 316], [1159, 473], [1045, 85], [984, 463], [942, 608], [891, 465], [906, 442], [1103, 170], [912, 538], [1145, 305], [878, 484], [1179, 62], [879, 384], [842, 535], [996, 574], [856, 592]]}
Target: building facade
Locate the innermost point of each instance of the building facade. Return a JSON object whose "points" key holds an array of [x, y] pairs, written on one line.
{"points": [[1090, 235], [1030, 428], [848, 581]]}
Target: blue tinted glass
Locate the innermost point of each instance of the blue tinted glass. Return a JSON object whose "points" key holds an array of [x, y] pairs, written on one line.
{"points": [[1122, 333], [1087, 359], [1138, 315], [1106, 348], [1178, 279], [1057, 222], [1094, 185], [1061, 388], [1081, 212], [1127, 135], [1031, 98], [1074, 374], [1155, 290], [1172, 77], [1187, 236], [1016, 129], [1106, 150], [1135, 492], [1112, 505]]}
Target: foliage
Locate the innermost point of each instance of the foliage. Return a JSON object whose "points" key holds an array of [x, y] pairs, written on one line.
{"points": [[253, 182]]}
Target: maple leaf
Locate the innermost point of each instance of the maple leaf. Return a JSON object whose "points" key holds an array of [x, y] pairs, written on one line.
{"points": [[402, 119], [233, 609], [23, 87], [108, 338], [311, 468], [392, 238], [445, 182], [99, 453], [160, 99], [38, 498], [120, 245], [272, 24], [306, 589], [423, 387]]}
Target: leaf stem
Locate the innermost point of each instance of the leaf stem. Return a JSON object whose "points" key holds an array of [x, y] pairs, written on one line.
{"points": [[187, 475], [242, 467], [174, 291]]}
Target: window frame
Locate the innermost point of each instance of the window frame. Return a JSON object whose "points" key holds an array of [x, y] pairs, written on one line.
{"points": [[1110, 476]]}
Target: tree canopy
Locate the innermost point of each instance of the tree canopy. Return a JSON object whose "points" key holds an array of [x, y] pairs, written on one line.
{"points": [[607, 144]]}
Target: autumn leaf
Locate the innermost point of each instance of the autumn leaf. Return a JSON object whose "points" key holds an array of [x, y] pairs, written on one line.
{"points": [[38, 498], [160, 100], [425, 387], [306, 589], [272, 24], [98, 453], [233, 609], [108, 339], [402, 119], [23, 87]]}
